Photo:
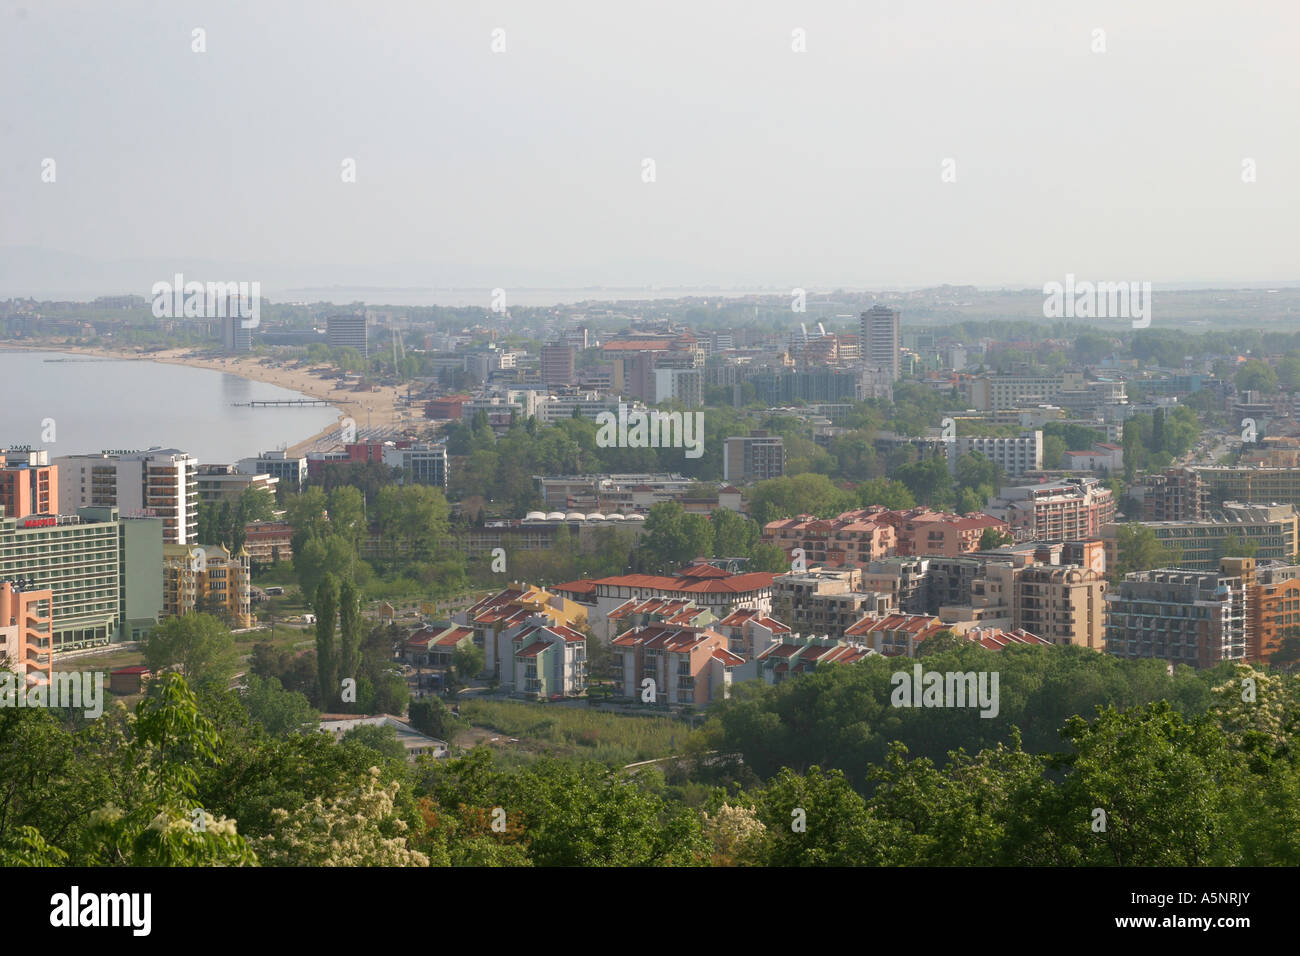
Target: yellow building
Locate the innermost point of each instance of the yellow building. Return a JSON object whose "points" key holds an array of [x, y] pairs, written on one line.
{"points": [[207, 578]]}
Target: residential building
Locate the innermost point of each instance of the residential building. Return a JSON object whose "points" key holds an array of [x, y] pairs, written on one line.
{"points": [[80, 559], [29, 484], [825, 600], [895, 635], [793, 654], [498, 618], [705, 586], [548, 660], [749, 632], [1072, 508], [159, 482], [208, 579], [681, 666], [1247, 483], [26, 623], [434, 645], [289, 471], [347, 331], [1198, 618], [1178, 494], [853, 538], [221, 483], [268, 542], [1272, 532], [682, 385], [879, 339], [422, 463], [557, 364], [1273, 608], [920, 531], [757, 456], [1014, 456]]}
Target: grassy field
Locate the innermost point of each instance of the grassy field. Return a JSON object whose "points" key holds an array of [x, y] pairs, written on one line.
{"points": [[563, 731]]}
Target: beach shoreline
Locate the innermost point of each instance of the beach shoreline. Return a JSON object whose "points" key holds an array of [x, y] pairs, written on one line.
{"points": [[382, 407]]}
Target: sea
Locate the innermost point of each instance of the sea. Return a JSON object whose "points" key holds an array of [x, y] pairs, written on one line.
{"points": [[73, 405]]}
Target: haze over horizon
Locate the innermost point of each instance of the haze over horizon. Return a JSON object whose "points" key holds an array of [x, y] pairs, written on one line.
{"points": [[774, 169]]}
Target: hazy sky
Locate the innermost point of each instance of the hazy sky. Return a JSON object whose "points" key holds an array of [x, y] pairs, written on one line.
{"points": [[772, 167]]}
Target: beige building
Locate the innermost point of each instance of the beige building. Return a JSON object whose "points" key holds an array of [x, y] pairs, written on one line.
{"points": [[1063, 604], [208, 579], [825, 601]]}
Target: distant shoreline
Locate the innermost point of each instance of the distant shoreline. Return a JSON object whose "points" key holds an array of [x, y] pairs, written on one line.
{"points": [[376, 408]]}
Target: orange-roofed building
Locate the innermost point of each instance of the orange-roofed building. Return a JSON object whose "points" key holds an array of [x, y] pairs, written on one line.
{"points": [[706, 587], [26, 616], [547, 660], [686, 666], [496, 618], [895, 635], [793, 654]]}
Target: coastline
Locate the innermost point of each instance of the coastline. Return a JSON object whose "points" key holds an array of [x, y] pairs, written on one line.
{"points": [[379, 408]]}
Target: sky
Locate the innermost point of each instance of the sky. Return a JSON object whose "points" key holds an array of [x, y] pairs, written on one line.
{"points": [[907, 144]]}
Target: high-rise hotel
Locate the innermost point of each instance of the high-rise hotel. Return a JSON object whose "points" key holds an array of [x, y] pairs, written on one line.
{"points": [[880, 339], [159, 482]]}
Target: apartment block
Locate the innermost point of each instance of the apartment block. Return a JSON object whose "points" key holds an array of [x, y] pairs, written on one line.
{"points": [[749, 633], [920, 531], [1069, 509], [207, 579], [879, 340], [1273, 608], [1014, 456], [1246, 483], [548, 660], [289, 471], [757, 456], [421, 463], [682, 385], [895, 635], [221, 483], [1198, 618], [825, 601], [1273, 532], [268, 542], [793, 655], [1178, 494], [557, 364], [498, 618], [159, 482], [79, 558], [29, 484], [853, 538], [687, 666], [347, 331], [706, 586], [26, 624]]}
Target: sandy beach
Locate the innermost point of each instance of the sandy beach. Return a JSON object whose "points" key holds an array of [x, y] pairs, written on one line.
{"points": [[382, 408]]}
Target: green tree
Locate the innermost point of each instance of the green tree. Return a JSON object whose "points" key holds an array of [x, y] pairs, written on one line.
{"points": [[380, 738], [199, 644], [1139, 550], [993, 538], [1255, 375], [884, 491], [734, 535], [327, 664], [768, 557], [468, 659], [349, 629], [279, 711]]}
